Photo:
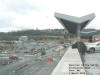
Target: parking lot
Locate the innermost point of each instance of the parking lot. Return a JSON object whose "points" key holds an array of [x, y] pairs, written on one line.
{"points": [[33, 64], [92, 61]]}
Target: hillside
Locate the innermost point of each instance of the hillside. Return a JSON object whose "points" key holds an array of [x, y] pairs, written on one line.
{"points": [[32, 34]]}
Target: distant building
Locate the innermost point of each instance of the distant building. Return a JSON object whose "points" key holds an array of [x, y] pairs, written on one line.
{"points": [[92, 36], [96, 37], [23, 38]]}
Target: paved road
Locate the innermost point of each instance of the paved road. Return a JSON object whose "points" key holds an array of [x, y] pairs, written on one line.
{"points": [[29, 66], [8, 69], [93, 63]]}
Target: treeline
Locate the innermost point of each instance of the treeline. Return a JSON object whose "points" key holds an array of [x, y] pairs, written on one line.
{"points": [[32, 34], [37, 34]]}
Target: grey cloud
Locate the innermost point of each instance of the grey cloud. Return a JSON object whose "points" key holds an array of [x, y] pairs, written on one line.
{"points": [[14, 7], [20, 6], [6, 26], [5, 21], [20, 26]]}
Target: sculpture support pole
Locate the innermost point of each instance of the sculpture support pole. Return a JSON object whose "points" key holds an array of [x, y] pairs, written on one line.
{"points": [[78, 32]]}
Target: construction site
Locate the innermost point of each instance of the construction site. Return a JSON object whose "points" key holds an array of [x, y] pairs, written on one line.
{"points": [[25, 57]]}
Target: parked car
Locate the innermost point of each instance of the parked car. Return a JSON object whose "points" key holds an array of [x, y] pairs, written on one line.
{"points": [[67, 44], [4, 52], [93, 47], [14, 57], [5, 61]]}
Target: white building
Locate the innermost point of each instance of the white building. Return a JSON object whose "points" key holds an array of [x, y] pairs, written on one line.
{"points": [[23, 38]]}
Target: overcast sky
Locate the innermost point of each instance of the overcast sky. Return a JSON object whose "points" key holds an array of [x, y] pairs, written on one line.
{"points": [[32, 14]]}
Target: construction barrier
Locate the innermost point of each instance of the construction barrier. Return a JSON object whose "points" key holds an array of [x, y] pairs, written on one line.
{"points": [[49, 59]]}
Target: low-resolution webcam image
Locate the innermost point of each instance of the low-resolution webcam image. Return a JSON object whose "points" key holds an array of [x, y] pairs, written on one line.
{"points": [[49, 37]]}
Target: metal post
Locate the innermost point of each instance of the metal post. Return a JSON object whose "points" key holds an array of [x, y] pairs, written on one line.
{"points": [[78, 31], [78, 36]]}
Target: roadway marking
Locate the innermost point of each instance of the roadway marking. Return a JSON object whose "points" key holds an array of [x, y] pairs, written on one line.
{"points": [[21, 67]]}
